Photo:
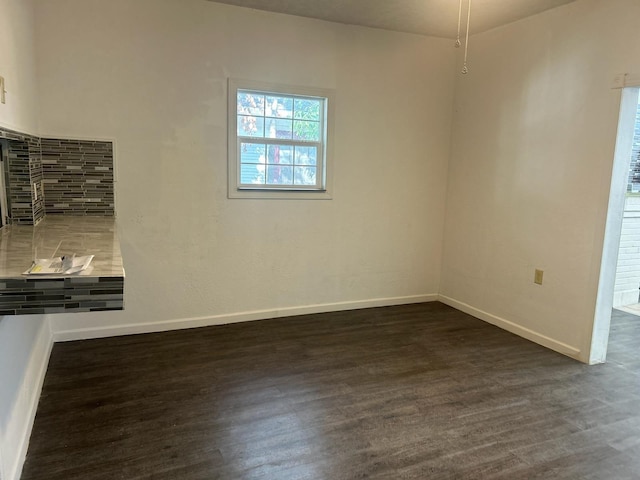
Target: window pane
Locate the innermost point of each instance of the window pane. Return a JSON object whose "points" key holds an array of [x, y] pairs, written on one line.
{"points": [[279, 128], [252, 174], [304, 175], [249, 126], [281, 107], [279, 175], [252, 161], [252, 153], [250, 103], [303, 130], [306, 155], [280, 154], [305, 109]]}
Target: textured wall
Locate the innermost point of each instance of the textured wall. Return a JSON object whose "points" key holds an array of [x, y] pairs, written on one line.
{"points": [[530, 173], [152, 74]]}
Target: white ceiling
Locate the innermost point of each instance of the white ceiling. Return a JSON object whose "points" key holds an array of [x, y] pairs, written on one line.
{"points": [[428, 17]]}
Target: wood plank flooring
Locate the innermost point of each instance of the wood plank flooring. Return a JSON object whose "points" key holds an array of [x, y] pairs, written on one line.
{"points": [[409, 392]]}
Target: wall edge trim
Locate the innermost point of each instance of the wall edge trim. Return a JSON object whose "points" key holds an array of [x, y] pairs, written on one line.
{"points": [[18, 129], [36, 370], [512, 327], [194, 322]]}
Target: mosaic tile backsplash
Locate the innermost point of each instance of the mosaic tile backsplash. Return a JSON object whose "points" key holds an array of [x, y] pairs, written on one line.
{"points": [[57, 177], [27, 296], [24, 170], [78, 177]]}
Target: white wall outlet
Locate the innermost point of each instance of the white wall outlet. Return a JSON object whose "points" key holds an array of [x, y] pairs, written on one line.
{"points": [[2, 92]]}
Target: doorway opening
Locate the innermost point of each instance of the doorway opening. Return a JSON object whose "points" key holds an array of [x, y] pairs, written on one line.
{"points": [[620, 184], [626, 294]]}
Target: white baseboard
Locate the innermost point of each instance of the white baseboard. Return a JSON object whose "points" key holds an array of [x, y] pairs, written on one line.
{"points": [[18, 432], [164, 325], [505, 324]]}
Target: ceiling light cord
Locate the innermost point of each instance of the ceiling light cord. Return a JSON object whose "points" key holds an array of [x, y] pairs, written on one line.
{"points": [[465, 70], [459, 22]]}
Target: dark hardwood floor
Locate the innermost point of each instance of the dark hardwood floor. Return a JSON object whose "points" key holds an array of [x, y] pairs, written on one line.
{"points": [[409, 392]]}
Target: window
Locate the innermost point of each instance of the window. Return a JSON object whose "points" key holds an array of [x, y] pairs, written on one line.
{"points": [[278, 141]]}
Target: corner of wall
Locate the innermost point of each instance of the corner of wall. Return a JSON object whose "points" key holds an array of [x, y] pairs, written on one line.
{"points": [[15, 440], [516, 329]]}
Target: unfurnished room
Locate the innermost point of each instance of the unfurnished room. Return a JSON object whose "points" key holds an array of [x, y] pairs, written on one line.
{"points": [[384, 239]]}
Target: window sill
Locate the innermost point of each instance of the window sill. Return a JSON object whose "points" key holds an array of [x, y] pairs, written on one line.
{"points": [[280, 194]]}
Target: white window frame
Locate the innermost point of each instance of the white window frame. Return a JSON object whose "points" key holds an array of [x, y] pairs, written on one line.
{"points": [[322, 190]]}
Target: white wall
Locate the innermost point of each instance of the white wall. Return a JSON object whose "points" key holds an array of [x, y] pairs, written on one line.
{"points": [[25, 341], [534, 135], [17, 65], [151, 74], [25, 346]]}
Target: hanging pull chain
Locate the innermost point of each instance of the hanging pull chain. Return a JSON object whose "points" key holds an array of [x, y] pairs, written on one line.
{"points": [[465, 70], [459, 21]]}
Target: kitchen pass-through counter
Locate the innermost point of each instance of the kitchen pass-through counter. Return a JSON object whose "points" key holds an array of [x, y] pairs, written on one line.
{"points": [[99, 287]]}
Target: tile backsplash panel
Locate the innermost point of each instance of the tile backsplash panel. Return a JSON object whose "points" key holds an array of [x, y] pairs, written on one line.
{"points": [[35, 172], [23, 171], [78, 177], [57, 177]]}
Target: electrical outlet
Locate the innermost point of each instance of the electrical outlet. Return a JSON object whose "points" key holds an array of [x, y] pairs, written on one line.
{"points": [[538, 277], [2, 92]]}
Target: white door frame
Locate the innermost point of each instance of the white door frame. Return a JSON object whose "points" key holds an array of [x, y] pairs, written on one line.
{"points": [[615, 212]]}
